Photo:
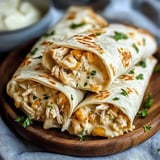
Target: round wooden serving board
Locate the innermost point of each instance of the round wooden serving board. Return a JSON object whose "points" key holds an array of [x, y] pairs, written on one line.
{"points": [[53, 140]]}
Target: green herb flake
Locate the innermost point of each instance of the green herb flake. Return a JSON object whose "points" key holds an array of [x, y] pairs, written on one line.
{"points": [[115, 99], [19, 119], [157, 68], [33, 52], [82, 135], [143, 63], [146, 128], [27, 122], [85, 84], [39, 57], [124, 92], [149, 101], [135, 47], [51, 33], [98, 34], [34, 97], [93, 73], [76, 25], [143, 113], [119, 36], [49, 106], [71, 97], [131, 71], [158, 149], [144, 41], [140, 77], [45, 96]]}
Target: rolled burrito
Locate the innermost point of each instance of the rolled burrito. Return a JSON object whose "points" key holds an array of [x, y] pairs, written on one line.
{"points": [[111, 112], [94, 59], [33, 90]]}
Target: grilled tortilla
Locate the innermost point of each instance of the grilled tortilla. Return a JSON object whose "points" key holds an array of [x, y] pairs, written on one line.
{"points": [[111, 112], [33, 89], [94, 59]]}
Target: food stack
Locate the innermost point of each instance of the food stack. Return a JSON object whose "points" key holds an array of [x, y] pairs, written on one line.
{"points": [[85, 76]]}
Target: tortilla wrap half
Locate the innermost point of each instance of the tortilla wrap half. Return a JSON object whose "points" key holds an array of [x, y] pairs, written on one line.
{"points": [[32, 88], [94, 59], [111, 112]]}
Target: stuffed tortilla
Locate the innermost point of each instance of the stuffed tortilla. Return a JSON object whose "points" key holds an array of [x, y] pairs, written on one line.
{"points": [[94, 59], [111, 112]]}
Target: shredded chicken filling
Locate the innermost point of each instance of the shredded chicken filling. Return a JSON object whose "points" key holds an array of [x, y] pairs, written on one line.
{"points": [[78, 68], [40, 102], [99, 120]]}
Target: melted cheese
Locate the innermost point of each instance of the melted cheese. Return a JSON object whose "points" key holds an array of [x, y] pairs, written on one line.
{"points": [[40, 102], [77, 68], [99, 120]]}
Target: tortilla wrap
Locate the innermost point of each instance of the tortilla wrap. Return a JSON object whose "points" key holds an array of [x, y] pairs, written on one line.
{"points": [[94, 59], [111, 112], [34, 91]]}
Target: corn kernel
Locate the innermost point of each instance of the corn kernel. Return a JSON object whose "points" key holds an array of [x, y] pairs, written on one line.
{"points": [[90, 57], [80, 115], [77, 54], [98, 131]]}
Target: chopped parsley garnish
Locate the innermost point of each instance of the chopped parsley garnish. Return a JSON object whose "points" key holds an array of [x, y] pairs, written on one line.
{"points": [[143, 113], [51, 33], [45, 96], [144, 41], [35, 97], [39, 57], [93, 73], [119, 36], [76, 25], [25, 121], [158, 149], [135, 47], [140, 77], [71, 97], [98, 34], [49, 106], [147, 128], [131, 71], [115, 99], [149, 102], [157, 68], [20, 119], [82, 135], [143, 63], [124, 92], [85, 84], [33, 52]]}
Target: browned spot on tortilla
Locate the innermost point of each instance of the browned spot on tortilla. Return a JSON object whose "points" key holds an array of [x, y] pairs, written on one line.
{"points": [[127, 77], [125, 56], [113, 69], [102, 95], [26, 62], [46, 43], [98, 20], [52, 82], [71, 15], [88, 41]]}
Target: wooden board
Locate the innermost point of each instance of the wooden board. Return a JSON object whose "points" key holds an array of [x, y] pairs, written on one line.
{"points": [[53, 140]]}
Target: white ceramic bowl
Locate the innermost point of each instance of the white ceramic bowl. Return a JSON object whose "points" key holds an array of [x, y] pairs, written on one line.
{"points": [[12, 39]]}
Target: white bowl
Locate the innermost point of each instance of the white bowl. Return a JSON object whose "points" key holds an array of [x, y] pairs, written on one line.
{"points": [[14, 38]]}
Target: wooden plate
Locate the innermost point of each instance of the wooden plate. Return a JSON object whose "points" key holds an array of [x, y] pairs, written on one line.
{"points": [[53, 140]]}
